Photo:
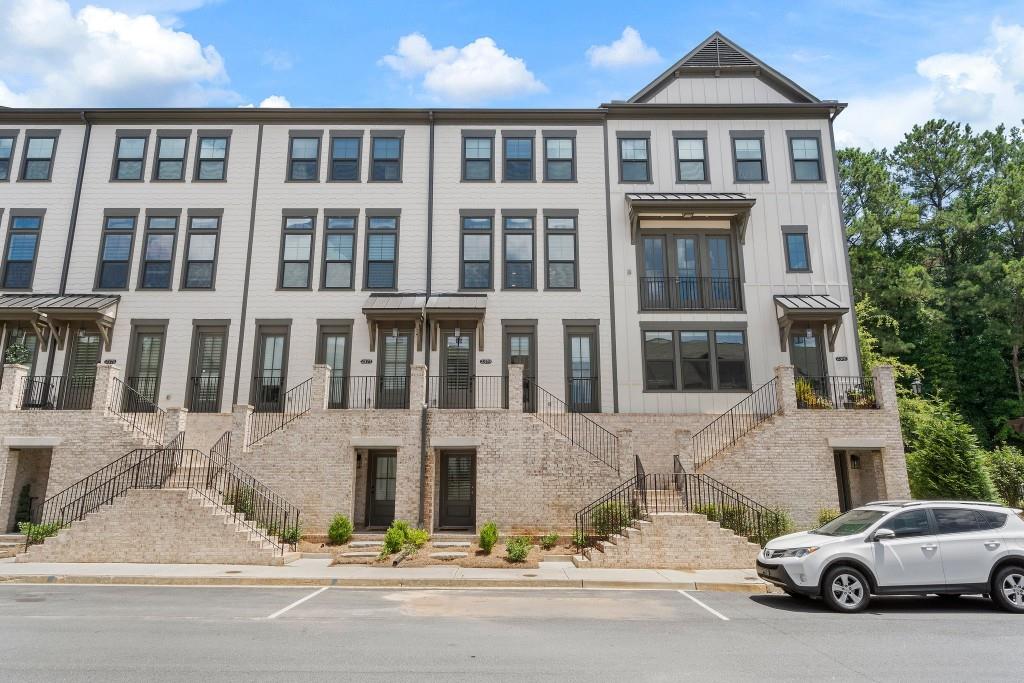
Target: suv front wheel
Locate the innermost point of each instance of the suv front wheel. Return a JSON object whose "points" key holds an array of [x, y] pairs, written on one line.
{"points": [[846, 590], [1008, 589]]}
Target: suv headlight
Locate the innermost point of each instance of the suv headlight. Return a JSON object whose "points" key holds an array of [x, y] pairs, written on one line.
{"points": [[790, 552]]}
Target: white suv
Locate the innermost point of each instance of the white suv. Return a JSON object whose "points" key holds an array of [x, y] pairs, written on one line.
{"points": [[903, 547]]}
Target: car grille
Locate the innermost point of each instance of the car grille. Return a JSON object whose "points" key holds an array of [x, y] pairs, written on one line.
{"points": [[771, 554]]}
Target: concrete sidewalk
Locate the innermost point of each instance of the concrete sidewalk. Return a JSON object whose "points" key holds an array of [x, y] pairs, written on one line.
{"points": [[317, 572]]}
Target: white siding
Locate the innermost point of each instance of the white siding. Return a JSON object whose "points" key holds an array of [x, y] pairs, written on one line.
{"points": [[718, 90]]}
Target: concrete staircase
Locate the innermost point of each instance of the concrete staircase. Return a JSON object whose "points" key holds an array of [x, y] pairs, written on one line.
{"points": [[11, 544]]}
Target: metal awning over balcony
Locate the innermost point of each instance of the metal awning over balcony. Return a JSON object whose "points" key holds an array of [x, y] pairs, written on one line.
{"points": [[732, 206], [805, 308], [383, 309], [50, 315]]}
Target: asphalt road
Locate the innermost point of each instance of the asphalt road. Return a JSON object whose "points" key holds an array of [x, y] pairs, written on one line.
{"points": [[136, 633]]}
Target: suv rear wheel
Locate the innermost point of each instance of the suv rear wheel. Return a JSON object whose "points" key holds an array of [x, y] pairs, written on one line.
{"points": [[846, 590], [1008, 589]]}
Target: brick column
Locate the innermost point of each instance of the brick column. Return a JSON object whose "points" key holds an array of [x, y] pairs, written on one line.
{"points": [[320, 391], [176, 421], [241, 423], [12, 386], [684, 448], [885, 386], [104, 386], [785, 388], [418, 386], [626, 450], [515, 388]]}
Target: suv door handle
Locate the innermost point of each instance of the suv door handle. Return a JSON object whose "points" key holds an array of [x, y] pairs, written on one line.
{"points": [[991, 545], [930, 546]]}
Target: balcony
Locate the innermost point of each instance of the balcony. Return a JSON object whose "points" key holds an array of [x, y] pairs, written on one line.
{"points": [[204, 394], [467, 392], [690, 294], [57, 393], [836, 392], [368, 392]]}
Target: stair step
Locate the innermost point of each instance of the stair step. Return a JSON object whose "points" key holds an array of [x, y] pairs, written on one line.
{"points": [[366, 544], [451, 544], [360, 554], [448, 556]]}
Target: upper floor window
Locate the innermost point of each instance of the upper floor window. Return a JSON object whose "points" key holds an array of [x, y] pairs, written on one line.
{"points": [[634, 162], [798, 258], [345, 158], [688, 271], [39, 151], [387, 158], [212, 160], [519, 240], [296, 252], [339, 252], [559, 158], [201, 252], [691, 159], [22, 249], [476, 252], [477, 158], [303, 158], [170, 157], [130, 156], [707, 360], [748, 159], [518, 158], [158, 252], [381, 252], [806, 158], [561, 252], [6, 152], [659, 361], [116, 252]]}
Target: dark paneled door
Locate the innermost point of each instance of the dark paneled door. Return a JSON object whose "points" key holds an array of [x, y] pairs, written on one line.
{"points": [[455, 388], [76, 394], [458, 489], [520, 349], [381, 480]]}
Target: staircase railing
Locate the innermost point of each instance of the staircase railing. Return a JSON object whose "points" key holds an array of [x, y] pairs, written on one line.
{"points": [[579, 429], [271, 415], [139, 412], [730, 426]]}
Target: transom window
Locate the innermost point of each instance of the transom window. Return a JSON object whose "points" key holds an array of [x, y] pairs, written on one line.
{"points": [[381, 252], [21, 251], [695, 360], [303, 158], [561, 252], [116, 252], [634, 165], [691, 157], [201, 252], [559, 159], [519, 260], [749, 159], [296, 252], [518, 158], [345, 158], [212, 161], [476, 252], [477, 158], [339, 252], [131, 157], [158, 252], [38, 157], [387, 159], [170, 158], [806, 159], [6, 152]]}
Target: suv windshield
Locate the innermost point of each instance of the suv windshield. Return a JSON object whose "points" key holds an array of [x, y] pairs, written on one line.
{"points": [[849, 523]]}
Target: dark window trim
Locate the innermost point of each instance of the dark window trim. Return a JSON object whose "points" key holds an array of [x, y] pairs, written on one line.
{"points": [[463, 215], [146, 232], [31, 135], [272, 327], [146, 326], [556, 213], [130, 134], [400, 136], [202, 213], [354, 232], [11, 133], [285, 231], [569, 135], [736, 269], [572, 328], [478, 135], [530, 135], [815, 135], [318, 135], [116, 213], [185, 135], [532, 232], [380, 213], [11, 215], [205, 134], [340, 327], [701, 135], [735, 135], [199, 326], [796, 230], [711, 327], [675, 361], [645, 135], [357, 135]]}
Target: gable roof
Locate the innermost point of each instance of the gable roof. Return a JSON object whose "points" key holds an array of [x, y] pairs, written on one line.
{"points": [[716, 55]]}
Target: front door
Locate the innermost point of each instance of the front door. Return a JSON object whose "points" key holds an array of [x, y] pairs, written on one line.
{"points": [[381, 480], [455, 386], [334, 352], [76, 394], [520, 350], [806, 353], [912, 558], [582, 390], [458, 505], [144, 370], [395, 351], [270, 372]]}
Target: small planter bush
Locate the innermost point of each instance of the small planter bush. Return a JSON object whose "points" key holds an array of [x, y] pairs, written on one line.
{"points": [[549, 541], [517, 548], [488, 537], [826, 515], [401, 536], [579, 539], [340, 530], [807, 397], [291, 535], [17, 354], [775, 523], [611, 518], [37, 533]]}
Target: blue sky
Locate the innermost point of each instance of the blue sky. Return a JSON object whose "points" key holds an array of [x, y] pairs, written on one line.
{"points": [[895, 63]]}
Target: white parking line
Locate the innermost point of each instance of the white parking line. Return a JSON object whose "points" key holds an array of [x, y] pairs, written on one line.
{"points": [[713, 611], [298, 602]]}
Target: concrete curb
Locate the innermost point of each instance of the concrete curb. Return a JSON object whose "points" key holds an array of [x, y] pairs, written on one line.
{"points": [[108, 579]]}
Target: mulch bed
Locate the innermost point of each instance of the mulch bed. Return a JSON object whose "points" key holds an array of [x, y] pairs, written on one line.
{"points": [[474, 558]]}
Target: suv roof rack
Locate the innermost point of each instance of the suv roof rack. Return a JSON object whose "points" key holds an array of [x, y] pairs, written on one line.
{"points": [[911, 503]]}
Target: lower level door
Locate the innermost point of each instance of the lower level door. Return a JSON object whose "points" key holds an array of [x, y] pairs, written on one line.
{"points": [[381, 480], [458, 484]]}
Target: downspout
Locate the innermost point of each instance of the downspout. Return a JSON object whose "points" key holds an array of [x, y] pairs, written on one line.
{"points": [[248, 263], [71, 228], [425, 334]]}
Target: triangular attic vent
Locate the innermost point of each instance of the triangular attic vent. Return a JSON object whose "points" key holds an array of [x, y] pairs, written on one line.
{"points": [[718, 53]]}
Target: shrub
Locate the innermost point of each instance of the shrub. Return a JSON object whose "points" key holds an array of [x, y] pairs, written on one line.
{"points": [[826, 515], [37, 533], [400, 535], [340, 530], [291, 534], [732, 517], [17, 354], [549, 541], [579, 539], [807, 397], [611, 517], [709, 510], [488, 537], [394, 539], [517, 548], [1005, 466], [774, 523], [416, 538]]}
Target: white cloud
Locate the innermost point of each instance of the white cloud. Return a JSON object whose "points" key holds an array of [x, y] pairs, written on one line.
{"points": [[479, 71], [275, 101], [53, 57], [629, 50], [984, 88]]}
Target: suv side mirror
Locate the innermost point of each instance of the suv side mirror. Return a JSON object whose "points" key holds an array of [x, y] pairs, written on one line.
{"points": [[883, 534]]}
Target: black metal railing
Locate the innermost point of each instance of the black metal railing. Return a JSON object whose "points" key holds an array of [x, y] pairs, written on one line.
{"points": [[728, 427], [851, 393], [57, 393], [204, 394], [690, 294], [366, 392], [467, 392], [271, 415], [579, 429], [145, 386], [583, 394], [140, 413]]}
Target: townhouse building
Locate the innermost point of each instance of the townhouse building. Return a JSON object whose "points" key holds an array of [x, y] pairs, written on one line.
{"points": [[444, 315]]}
